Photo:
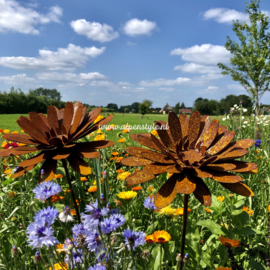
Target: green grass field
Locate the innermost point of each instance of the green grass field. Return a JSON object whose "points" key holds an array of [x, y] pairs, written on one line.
{"points": [[8, 121]]}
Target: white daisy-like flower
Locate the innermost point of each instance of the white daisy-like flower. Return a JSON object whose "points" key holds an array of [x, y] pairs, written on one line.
{"points": [[244, 110], [65, 215]]}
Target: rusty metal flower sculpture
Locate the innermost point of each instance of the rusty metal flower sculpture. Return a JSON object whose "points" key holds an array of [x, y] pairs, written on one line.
{"points": [[190, 149], [55, 137]]}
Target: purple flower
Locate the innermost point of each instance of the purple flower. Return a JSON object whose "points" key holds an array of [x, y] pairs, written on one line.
{"points": [[77, 258], [97, 267], [149, 203], [108, 225], [94, 242], [133, 238], [39, 234], [79, 233], [119, 219], [48, 214], [258, 143], [46, 189]]}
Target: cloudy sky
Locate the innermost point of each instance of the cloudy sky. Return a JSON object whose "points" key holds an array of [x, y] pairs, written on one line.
{"points": [[108, 51]]}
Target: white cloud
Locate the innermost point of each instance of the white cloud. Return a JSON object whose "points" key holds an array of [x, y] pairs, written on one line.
{"points": [[135, 27], [168, 89], [205, 54], [209, 90], [131, 43], [225, 15], [161, 82], [235, 86], [79, 79], [124, 83], [94, 30], [17, 79], [197, 68], [63, 59], [16, 18], [102, 84]]}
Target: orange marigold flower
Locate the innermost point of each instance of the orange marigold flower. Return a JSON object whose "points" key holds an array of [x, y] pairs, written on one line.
{"points": [[137, 188], [119, 171], [14, 132], [8, 172], [221, 198], [161, 236], [21, 144], [56, 198], [73, 212], [92, 189], [126, 155], [150, 188], [95, 182], [268, 208], [122, 140], [6, 131], [207, 210], [12, 194], [100, 137], [119, 159], [56, 176], [60, 248], [122, 176], [117, 202], [127, 130], [154, 132], [150, 239], [59, 266], [1, 130], [110, 127], [115, 153], [247, 209], [229, 242], [83, 179], [180, 211], [112, 158]]}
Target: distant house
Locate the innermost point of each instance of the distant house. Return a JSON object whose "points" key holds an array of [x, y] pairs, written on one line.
{"points": [[153, 110], [186, 111], [167, 108]]}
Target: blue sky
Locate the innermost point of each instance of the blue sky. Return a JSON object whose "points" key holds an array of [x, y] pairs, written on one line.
{"points": [[123, 51]]}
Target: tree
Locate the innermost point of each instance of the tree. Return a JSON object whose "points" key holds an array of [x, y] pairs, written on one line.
{"points": [[250, 62], [133, 111], [126, 110], [48, 93], [144, 107], [183, 106], [149, 102], [112, 106], [176, 108]]}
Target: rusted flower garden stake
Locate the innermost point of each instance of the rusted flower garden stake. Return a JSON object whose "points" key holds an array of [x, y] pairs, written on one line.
{"points": [[191, 149], [55, 137]]}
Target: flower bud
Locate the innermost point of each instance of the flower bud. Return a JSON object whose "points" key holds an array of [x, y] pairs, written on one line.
{"points": [[37, 259], [70, 247], [42, 174], [108, 206], [178, 257], [186, 258], [133, 220], [14, 251], [104, 175], [102, 198]]}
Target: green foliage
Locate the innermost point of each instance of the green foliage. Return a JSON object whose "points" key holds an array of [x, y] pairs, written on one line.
{"points": [[250, 64], [47, 93], [144, 107], [126, 110], [149, 102], [176, 108]]}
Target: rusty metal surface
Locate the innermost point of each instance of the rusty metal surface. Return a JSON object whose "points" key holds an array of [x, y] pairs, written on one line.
{"points": [[166, 193], [239, 188], [135, 161], [55, 137], [191, 149], [139, 177]]}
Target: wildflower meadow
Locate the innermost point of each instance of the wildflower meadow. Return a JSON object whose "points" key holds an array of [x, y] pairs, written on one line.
{"points": [[194, 195]]}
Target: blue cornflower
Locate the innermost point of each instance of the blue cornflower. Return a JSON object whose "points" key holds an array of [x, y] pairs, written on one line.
{"points": [[77, 258], [149, 203], [115, 211], [97, 267], [119, 219], [258, 143], [133, 238], [92, 220], [46, 189], [108, 225], [48, 214], [40, 233], [94, 241], [79, 232]]}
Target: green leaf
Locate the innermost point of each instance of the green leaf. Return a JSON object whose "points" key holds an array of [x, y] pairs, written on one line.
{"points": [[237, 212], [157, 255], [211, 225], [256, 265], [59, 206], [244, 231]]}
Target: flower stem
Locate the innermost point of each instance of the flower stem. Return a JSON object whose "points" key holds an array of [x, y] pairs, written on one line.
{"points": [[184, 227], [71, 190]]}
